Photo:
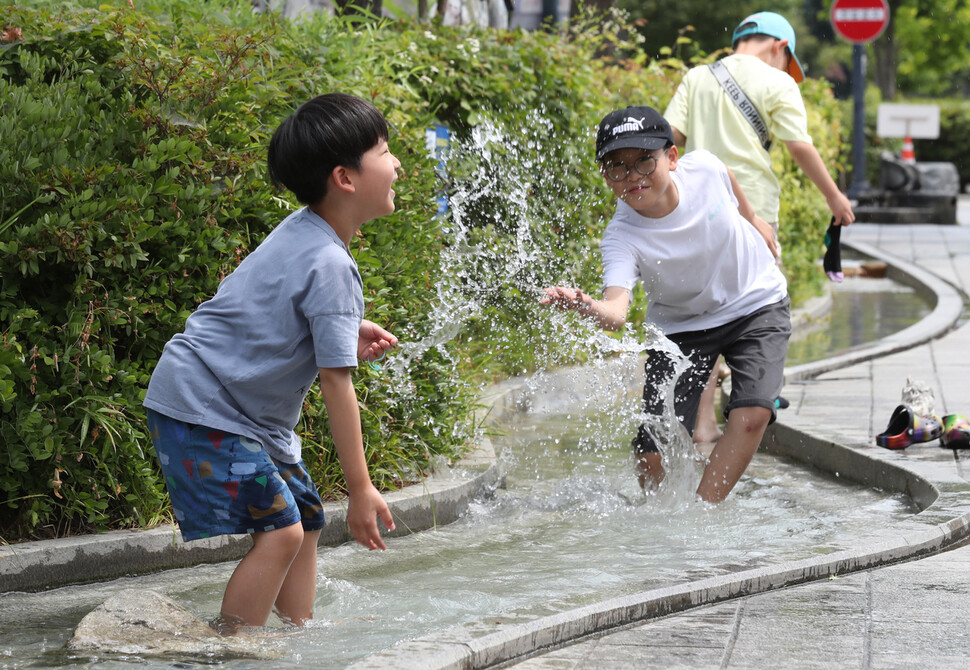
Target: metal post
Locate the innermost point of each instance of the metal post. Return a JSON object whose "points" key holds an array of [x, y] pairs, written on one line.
{"points": [[860, 185], [550, 13]]}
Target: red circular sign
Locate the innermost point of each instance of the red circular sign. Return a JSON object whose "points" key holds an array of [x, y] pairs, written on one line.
{"points": [[860, 20]]}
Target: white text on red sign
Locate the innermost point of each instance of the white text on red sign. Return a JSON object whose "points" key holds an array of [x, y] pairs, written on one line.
{"points": [[860, 14]]}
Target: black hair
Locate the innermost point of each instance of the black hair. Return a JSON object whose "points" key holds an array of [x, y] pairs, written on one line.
{"points": [[334, 129], [665, 149], [750, 36]]}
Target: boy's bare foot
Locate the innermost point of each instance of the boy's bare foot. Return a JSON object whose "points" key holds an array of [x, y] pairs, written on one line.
{"points": [[228, 625]]}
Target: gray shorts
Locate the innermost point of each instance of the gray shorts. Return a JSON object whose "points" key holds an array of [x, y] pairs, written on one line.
{"points": [[754, 347]]}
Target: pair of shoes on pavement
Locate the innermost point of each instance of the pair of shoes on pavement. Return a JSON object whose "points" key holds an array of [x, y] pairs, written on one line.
{"points": [[906, 427]]}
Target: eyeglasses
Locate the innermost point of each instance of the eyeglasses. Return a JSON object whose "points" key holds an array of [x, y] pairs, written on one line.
{"points": [[618, 171]]}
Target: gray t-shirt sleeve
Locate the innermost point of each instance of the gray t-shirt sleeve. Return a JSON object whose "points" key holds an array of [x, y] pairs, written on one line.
{"points": [[334, 315]]}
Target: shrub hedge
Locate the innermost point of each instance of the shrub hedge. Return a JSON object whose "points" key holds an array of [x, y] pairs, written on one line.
{"points": [[132, 179]]}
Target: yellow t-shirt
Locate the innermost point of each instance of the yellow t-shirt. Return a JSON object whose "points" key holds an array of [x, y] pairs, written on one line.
{"points": [[703, 112]]}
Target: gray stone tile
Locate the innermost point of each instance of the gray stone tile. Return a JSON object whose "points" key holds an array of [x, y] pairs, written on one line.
{"points": [[547, 662], [795, 649], [930, 600], [843, 595], [786, 661], [957, 558], [924, 639], [680, 631], [567, 658], [621, 657], [909, 661]]}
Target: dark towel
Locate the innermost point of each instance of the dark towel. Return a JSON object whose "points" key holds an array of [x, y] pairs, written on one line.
{"points": [[832, 263]]}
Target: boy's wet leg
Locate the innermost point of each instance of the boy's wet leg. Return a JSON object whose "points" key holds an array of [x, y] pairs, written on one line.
{"points": [[256, 582], [734, 451], [650, 469], [705, 427], [658, 371], [294, 604]]}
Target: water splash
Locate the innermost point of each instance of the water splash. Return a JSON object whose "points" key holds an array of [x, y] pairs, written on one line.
{"points": [[500, 256]]}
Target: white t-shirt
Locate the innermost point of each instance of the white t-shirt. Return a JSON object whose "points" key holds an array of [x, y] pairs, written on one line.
{"points": [[703, 265], [707, 116]]}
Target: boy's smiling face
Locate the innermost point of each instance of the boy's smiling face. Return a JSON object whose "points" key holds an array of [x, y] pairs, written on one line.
{"points": [[653, 195], [377, 174]]}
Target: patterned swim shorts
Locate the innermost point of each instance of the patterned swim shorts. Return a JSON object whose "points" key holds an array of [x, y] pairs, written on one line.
{"points": [[225, 484]]}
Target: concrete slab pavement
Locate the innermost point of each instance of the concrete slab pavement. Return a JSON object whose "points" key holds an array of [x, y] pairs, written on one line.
{"points": [[912, 615]]}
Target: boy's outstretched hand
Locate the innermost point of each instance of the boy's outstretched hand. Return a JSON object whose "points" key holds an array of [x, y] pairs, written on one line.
{"points": [[373, 341], [364, 508], [567, 298], [608, 313]]}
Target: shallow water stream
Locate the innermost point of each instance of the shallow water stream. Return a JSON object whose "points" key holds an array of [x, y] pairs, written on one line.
{"points": [[570, 528], [864, 310]]}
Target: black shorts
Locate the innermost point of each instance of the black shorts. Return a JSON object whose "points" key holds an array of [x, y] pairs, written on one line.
{"points": [[754, 347]]}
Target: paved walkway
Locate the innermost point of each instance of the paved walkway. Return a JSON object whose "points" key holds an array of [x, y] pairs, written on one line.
{"points": [[910, 615]]}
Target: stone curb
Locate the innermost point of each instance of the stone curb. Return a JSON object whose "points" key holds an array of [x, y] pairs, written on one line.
{"points": [[945, 314], [460, 648], [484, 645], [34, 566]]}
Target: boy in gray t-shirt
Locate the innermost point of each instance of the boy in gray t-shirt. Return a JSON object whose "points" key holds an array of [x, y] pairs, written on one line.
{"points": [[227, 392]]}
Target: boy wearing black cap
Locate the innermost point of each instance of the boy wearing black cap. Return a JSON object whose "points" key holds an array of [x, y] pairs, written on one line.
{"points": [[762, 74], [686, 230]]}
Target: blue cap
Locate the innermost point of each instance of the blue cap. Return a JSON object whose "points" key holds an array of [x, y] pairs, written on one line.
{"points": [[773, 25]]}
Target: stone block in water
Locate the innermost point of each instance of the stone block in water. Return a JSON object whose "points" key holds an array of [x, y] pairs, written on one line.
{"points": [[146, 623]]}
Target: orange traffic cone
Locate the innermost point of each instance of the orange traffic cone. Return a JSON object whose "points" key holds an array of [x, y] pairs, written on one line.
{"points": [[908, 155]]}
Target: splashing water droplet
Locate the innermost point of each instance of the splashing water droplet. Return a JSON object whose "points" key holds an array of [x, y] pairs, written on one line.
{"points": [[501, 252]]}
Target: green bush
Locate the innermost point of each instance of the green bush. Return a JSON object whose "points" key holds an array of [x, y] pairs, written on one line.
{"points": [[133, 179]]}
